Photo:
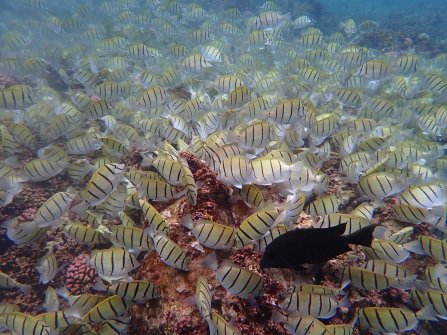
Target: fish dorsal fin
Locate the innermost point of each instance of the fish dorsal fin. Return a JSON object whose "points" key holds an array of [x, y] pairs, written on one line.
{"points": [[337, 230]]}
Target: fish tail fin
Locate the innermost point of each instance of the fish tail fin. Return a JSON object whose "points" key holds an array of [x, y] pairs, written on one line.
{"points": [[422, 285], [362, 236], [439, 271], [25, 288], [99, 285], [344, 302], [63, 292], [405, 283], [415, 247], [211, 262], [427, 313], [9, 223], [187, 222], [278, 317], [211, 325], [81, 209]]}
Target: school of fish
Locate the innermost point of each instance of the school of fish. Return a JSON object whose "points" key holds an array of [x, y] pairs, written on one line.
{"points": [[268, 98]]}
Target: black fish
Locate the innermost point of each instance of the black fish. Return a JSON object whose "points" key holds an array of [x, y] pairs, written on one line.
{"points": [[312, 246]]}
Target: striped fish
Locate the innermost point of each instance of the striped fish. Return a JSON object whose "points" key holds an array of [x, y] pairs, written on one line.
{"points": [[97, 109], [268, 171], [114, 327], [7, 307], [269, 19], [227, 83], [414, 215], [424, 196], [251, 195], [17, 96], [375, 69], [436, 276], [137, 291], [436, 83], [294, 206], [110, 308], [189, 183], [437, 299], [6, 282], [113, 263], [265, 240], [236, 280], [158, 190], [195, 63], [126, 220], [169, 169], [303, 180], [426, 245], [310, 288], [378, 185], [170, 253], [51, 300], [401, 236], [41, 169], [52, 209], [324, 205], [210, 234], [301, 325], [238, 97], [236, 171], [114, 203], [24, 324], [47, 268], [9, 144], [387, 268], [388, 319], [342, 329], [286, 112], [108, 90], [24, 233], [322, 306], [153, 217], [22, 134], [255, 135], [257, 225], [80, 304], [350, 97], [221, 327], [56, 320], [364, 210], [134, 239], [116, 147], [53, 153], [83, 234], [84, 144], [78, 169], [103, 182], [387, 250], [362, 278], [203, 298], [353, 222]]}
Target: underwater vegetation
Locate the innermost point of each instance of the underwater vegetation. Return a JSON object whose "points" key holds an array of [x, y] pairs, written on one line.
{"points": [[177, 167]]}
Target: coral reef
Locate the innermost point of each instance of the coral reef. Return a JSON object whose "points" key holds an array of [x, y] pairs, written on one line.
{"points": [[80, 275], [156, 317]]}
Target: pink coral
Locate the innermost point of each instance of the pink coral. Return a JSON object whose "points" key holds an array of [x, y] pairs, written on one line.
{"points": [[80, 276]]}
